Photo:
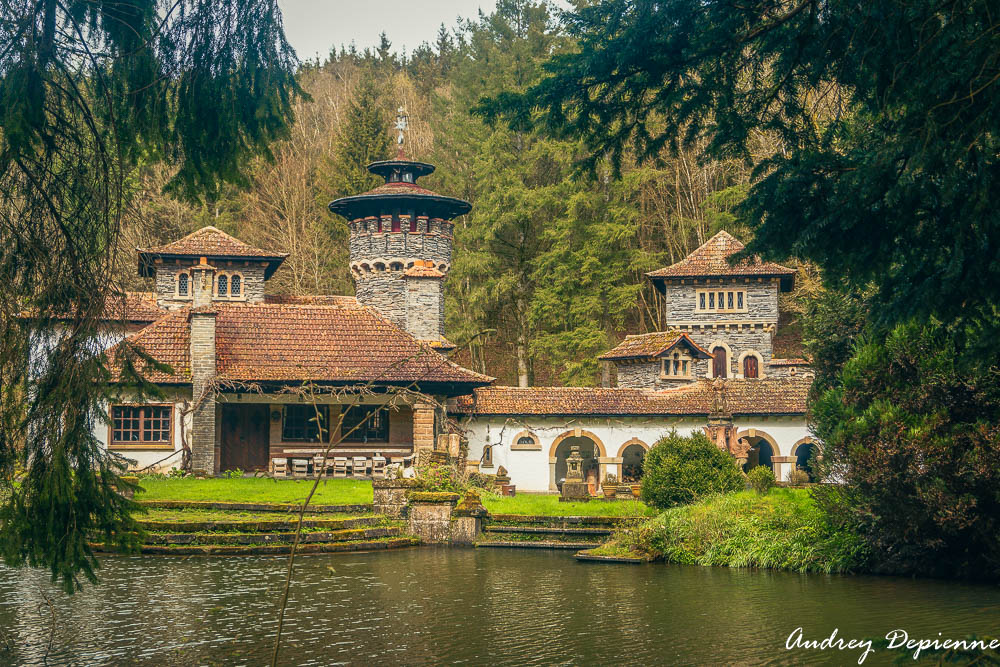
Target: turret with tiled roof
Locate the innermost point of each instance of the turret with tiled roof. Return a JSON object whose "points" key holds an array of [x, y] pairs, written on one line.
{"points": [[401, 244]]}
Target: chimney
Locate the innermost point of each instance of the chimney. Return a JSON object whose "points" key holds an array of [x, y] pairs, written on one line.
{"points": [[203, 370]]}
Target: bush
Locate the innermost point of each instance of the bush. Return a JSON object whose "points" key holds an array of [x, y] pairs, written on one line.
{"points": [[798, 477], [680, 470], [761, 479]]}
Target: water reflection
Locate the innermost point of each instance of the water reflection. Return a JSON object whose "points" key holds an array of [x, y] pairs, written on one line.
{"points": [[426, 605]]}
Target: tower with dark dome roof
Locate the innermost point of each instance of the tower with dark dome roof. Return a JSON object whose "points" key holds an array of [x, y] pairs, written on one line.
{"points": [[401, 245]]}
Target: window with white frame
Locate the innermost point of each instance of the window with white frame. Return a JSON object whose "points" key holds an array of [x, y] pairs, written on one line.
{"points": [[721, 301], [678, 364]]}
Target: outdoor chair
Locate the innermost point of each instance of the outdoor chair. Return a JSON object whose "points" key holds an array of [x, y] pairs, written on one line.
{"points": [[279, 467], [300, 467], [319, 466], [378, 467], [360, 467], [340, 466]]}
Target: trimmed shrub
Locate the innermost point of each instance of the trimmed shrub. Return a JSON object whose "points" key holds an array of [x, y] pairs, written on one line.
{"points": [[679, 470], [761, 479]]}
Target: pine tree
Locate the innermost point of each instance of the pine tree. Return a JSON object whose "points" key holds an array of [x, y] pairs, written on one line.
{"points": [[364, 137], [88, 92]]}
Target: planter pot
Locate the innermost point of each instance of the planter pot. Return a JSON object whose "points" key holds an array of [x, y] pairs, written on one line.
{"points": [[609, 492], [635, 490]]}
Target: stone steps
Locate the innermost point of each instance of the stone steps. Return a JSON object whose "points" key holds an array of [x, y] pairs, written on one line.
{"points": [[277, 549], [271, 538], [255, 507], [238, 526], [535, 544], [546, 530]]}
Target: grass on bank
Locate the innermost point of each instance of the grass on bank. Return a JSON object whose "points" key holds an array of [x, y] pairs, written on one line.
{"points": [[255, 490], [781, 530], [548, 505]]}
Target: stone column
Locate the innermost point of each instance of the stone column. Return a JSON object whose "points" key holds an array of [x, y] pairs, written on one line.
{"points": [[423, 426], [203, 371]]}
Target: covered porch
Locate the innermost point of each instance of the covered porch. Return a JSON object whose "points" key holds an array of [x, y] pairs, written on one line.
{"points": [[287, 435]]}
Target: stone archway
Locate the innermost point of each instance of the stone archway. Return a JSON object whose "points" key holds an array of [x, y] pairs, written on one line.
{"points": [[762, 449], [630, 458], [805, 451], [591, 448]]}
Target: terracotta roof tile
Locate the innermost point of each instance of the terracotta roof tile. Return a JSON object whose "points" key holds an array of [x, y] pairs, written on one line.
{"points": [[311, 299], [130, 307], [789, 362], [651, 346], [293, 343], [210, 242], [423, 272], [168, 340], [744, 397], [710, 259]]}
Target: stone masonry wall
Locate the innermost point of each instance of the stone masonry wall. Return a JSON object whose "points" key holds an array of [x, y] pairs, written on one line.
{"points": [[378, 260], [739, 340], [761, 302], [203, 372], [425, 308], [166, 281], [385, 291]]}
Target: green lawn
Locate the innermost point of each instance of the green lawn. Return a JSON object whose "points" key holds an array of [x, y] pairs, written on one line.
{"points": [[256, 490], [549, 505]]}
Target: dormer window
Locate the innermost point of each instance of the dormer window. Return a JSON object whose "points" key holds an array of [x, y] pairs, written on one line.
{"points": [[677, 365], [183, 284]]}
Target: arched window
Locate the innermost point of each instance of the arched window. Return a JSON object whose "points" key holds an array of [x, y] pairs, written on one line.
{"points": [[751, 368], [223, 283], [183, 281], [236, 286], [526, 440], [720, 363]]}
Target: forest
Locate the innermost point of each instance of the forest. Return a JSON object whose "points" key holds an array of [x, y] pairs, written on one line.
{"points": [[551, 260]]}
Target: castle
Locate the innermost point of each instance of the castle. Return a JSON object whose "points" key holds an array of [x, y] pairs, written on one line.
{"points": [[258, 381]]}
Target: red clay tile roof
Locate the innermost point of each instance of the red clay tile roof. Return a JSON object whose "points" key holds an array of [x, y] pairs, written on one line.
{"points": [[311, 299], [789, 362], [293, 343], [423, 272], [710, 259], [130, 307], [168, 340], [652, 345], [210, 242], [743, 397]]}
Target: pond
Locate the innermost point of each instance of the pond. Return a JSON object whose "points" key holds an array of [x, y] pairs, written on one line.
{"points": [[498, 606]]}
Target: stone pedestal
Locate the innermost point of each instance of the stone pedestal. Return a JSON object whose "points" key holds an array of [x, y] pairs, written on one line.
{"points": [[390, 496], [575, 492], [430, 516]]}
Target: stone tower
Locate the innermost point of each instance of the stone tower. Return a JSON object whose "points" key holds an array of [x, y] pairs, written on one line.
{"points": [[400, 246]]}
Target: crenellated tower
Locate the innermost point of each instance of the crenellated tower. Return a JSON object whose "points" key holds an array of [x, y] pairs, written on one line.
{"points": [[401, 244]]}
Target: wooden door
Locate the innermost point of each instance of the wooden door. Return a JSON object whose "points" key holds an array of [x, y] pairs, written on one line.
{"points": [[244, 437], [720, 364], [750, 367]]}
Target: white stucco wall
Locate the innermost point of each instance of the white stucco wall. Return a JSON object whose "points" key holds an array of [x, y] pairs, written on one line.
{"points": [[534, 470], [141, 458]]}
